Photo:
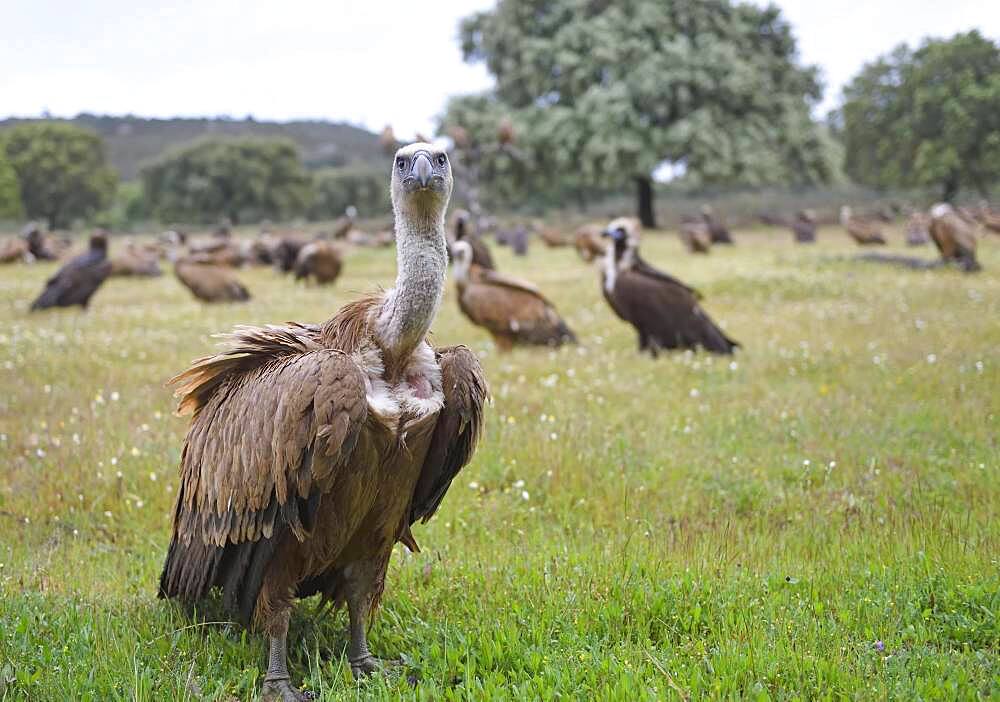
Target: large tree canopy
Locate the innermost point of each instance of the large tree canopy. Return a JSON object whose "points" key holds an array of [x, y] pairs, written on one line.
{"points": [[607, 91], [929, 116], [242, 179], [61, 170]]}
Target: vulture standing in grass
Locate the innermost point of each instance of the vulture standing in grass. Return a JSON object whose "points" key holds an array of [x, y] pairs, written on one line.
{"points": [[209, 282], [863, 231], [15, 249], [137, 261], [804, 227], [695, 236], [461, 231], [589, 242], [513, 311], [314, 448], [954, 237], [664, 311], [78, 280], [320, 261], [286, 252], [718, 232]]}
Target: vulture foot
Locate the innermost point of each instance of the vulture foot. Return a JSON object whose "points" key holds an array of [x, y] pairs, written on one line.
{"points": [[365, 666], [282, 691]]}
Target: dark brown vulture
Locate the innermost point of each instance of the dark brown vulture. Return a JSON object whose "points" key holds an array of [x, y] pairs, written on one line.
{"points": [[320, 261], [718, 232], [43, 247], [286, 252], [462, 231], [664, 311], [209, 282], [314, 448], [804, 227], [513, 311], [918, 229], [695, 236], [589, 243], [78, 280], [954, 237], [864, 232]]}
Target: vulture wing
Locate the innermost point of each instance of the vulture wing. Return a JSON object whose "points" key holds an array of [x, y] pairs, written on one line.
{"points": [[75, 282], [275, 419], [457, 431], [509, 306], [668, 314], [641, 267]]}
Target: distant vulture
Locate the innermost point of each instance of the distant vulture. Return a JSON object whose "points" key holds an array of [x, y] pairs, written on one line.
{"points": [[15, 249], [209, 282], [589, 242], [918, 229], [695, 236], [717, 230], [990, 220], [78, 280], [863, 231], [320, 261], [804, 227], [664, 311], [345, 222], [552, 237], [954, 237], [513, 311], [42, 247], [136, 260], [287, 252], [387, 140], [314, 449], [462, 231]]}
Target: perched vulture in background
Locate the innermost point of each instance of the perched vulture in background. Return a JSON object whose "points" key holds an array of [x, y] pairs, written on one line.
{"points": [[345, 223], [260, 251], [864, 232], [589, 243], [804, 227], [918, 229], [15, 249], [286, 252], [320, 261], [136, 261], [78, 280], [664, 311], [209, 282], [552, 237], [513, 311], [954, 237], [717, 230], [696, 236], [990, 220], [42, 247], [314, 449], [462, 231]]}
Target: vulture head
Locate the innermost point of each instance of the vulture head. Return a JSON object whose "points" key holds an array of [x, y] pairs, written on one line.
{"points": [[421, 182], [461, 253], [99, 242], [624, 237]]}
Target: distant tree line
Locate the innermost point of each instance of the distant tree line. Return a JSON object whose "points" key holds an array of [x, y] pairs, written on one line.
{"points": [[590, 99]]}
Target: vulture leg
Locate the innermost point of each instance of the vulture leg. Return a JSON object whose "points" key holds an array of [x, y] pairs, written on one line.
{"points": [[277, 682], [359, 603]]}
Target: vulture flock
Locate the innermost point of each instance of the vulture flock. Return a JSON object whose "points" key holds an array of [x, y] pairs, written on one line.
{"points": [[359, 424]]}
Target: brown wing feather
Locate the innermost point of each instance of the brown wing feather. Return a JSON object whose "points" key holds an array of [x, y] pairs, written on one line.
{"points": [[457, 431]]}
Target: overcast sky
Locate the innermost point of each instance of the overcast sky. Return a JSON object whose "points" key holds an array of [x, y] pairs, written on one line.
{"points": [[370, 63]]}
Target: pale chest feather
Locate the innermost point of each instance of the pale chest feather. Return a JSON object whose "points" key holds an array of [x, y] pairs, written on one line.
{"points": [[417, 394]]}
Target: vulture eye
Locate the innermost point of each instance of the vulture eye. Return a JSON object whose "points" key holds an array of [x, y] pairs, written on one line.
{"points": [[401, 163], [442, 159]]}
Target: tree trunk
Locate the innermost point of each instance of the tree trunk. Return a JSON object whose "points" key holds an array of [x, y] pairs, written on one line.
{"points": [[645, 192], [950, 189]]}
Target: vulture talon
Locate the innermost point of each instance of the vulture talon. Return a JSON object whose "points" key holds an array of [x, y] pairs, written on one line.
{"points": [[366, 665], [282, 691]]}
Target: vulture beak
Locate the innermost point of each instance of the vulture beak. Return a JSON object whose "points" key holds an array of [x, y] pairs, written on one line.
{"points": [[607, 232], [422, 169]]}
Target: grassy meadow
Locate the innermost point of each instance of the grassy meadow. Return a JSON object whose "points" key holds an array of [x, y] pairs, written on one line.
{"points": [[817, 517]]}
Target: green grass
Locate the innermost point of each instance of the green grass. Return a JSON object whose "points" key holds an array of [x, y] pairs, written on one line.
{"points": [[689, 527]]}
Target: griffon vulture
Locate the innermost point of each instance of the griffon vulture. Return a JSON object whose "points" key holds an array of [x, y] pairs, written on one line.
{"points": [[513, 311], [954, 237], [804, 227], [209, 282], [717, 230], [320, 261], [137, 261], [918, 229], [78, 280], [588, 242], [664, 311], [695, 236], [462, 231], [863, 231], [314, 448], [15, 249]]}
